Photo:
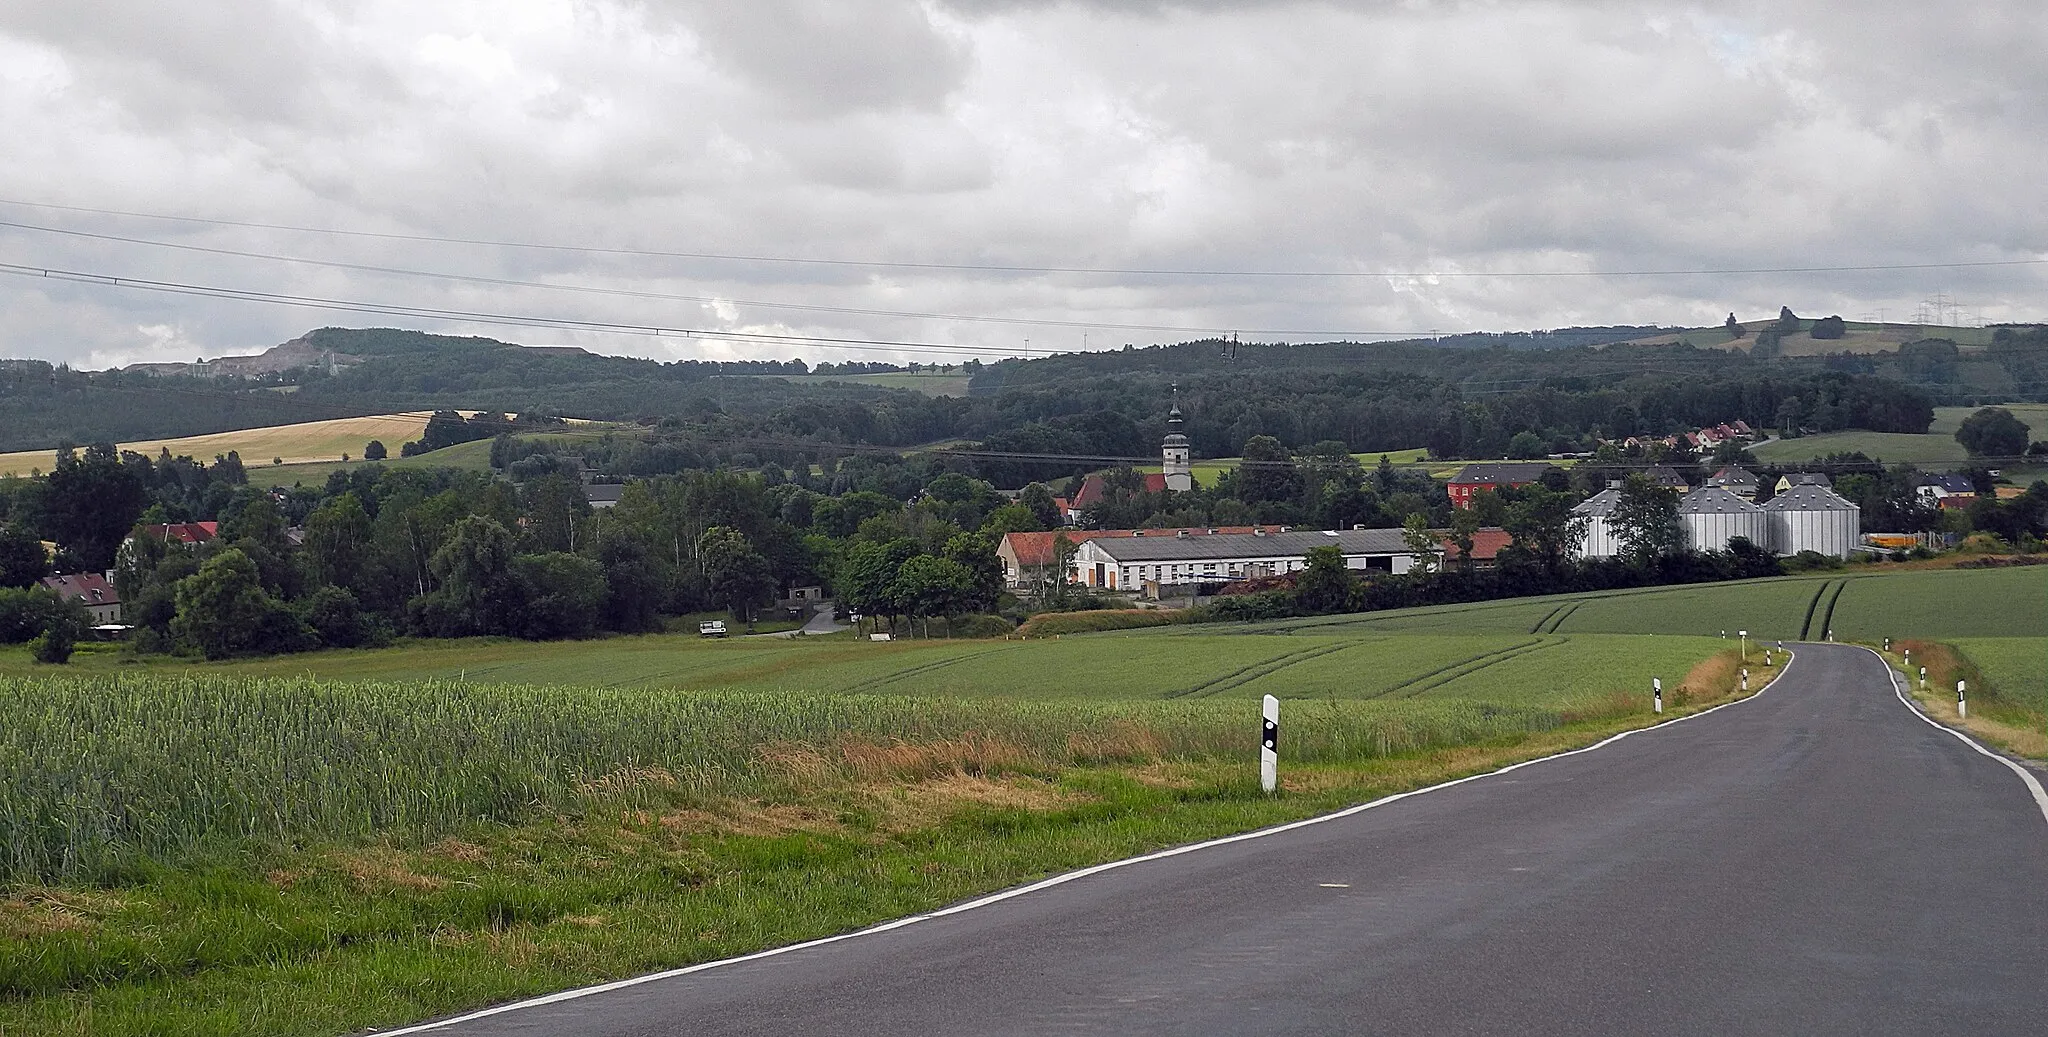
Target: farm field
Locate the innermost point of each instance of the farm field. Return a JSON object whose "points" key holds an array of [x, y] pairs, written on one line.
{"points": [[473, 455], [1126, 666], [1948, 419], [928, 384], [1930, 450], [2016, 666], [289, 846], [301, 442], [1207, 469]]}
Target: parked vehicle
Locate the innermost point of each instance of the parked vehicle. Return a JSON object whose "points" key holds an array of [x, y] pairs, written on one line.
{"points": [[711, 628]]}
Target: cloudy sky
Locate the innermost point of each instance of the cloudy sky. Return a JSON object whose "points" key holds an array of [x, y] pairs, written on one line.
{"points": [[1003, 175]]}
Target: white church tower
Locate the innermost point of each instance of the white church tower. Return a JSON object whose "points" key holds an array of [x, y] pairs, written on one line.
{"points": [[1173, 454]]}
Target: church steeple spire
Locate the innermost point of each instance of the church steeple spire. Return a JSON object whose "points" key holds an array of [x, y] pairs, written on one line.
{"points": [[1173, 453]]}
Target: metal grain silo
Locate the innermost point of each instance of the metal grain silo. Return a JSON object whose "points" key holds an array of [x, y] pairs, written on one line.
{"points": [[1713, 516], [1600, 541], [1814, 518]]}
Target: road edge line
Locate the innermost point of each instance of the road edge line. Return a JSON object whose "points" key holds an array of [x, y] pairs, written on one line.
{"points": [[2033, 784], [1064, 877]]}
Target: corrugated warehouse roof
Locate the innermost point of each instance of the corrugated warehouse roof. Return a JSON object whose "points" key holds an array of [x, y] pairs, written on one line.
{"points": [[1713, 500], [1197, 548], [1600, 505], [1810, 498]]}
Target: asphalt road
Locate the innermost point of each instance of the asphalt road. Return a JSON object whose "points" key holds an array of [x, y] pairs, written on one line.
{"points": [[1814, 861]]}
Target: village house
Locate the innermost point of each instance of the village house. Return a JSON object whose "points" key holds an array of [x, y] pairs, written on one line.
{"points": [[93, 590], [1937, 489], [1494, 476], [188, 534], [1738, 481], [1791, 479]]}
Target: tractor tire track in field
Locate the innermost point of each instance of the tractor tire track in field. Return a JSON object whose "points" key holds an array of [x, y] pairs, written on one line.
{"points": [[1247, 676], [1556, 618], [1253, 671], [1415, 688], [1827, 619], [1447, 667], [1805, 632], [1537, 627], [914, 671]]}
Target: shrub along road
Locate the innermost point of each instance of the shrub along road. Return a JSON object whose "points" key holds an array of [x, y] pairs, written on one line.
{"points": [[1815, 860]]}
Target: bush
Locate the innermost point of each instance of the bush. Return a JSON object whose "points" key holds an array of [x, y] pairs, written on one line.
{"points": [[336, 616], [1829, 328], [1096, 620], [52, 646], [1809, 561], [978, 626]]}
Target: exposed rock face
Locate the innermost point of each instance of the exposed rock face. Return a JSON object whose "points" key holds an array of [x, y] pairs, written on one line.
{"points": [[288, 356]]}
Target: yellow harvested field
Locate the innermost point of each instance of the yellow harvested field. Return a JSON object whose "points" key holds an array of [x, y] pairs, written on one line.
{"points": [[302, 442]]}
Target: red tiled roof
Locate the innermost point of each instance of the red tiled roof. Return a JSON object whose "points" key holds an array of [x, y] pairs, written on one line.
{"points": [[1486, 544], [184, 532], [1035, 549], [90, 588], [1093, 489]]}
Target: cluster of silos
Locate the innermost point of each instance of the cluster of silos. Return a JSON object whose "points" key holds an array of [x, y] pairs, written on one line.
{"points": [[1600, 541], [1814, 518], [1712, 517]]}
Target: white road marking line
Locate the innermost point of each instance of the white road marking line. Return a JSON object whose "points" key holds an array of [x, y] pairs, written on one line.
{"points": [[2033, 784], [1059, 880], [1334, 885]]}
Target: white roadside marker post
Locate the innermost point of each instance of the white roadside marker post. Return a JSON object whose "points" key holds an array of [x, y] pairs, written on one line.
{"points": [[1887, 644], [1962, 708], [1269, 746], [1744, 635], [1745, 678], [1923, 678], [1657, 693]]}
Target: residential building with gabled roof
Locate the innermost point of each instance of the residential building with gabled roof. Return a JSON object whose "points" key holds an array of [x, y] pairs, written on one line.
{"points": [[1494, 475], [93, 590]]}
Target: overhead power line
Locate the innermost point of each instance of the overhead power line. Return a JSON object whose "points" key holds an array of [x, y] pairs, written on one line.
{"points": [[512, 320], [701, 299], [1008, 268]]}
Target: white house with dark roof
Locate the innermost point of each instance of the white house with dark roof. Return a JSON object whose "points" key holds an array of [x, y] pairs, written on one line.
{"points": [[92, 590], [1128, 563], [1737, 480]]}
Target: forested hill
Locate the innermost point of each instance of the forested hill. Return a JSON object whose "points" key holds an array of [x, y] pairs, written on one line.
{"points": [[1465, 400]]}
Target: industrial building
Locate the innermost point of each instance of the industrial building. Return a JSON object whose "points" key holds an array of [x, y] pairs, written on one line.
{"points": [[1129, 563], [1600, 541], [1713, 516], [1812, 517]]}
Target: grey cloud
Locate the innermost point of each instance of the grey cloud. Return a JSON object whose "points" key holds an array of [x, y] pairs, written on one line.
{"points": [[820, 58], [1383, 137]]}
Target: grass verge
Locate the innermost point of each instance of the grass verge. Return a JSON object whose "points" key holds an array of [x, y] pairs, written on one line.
{"points": [[2011, 724], [644, 869]]}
